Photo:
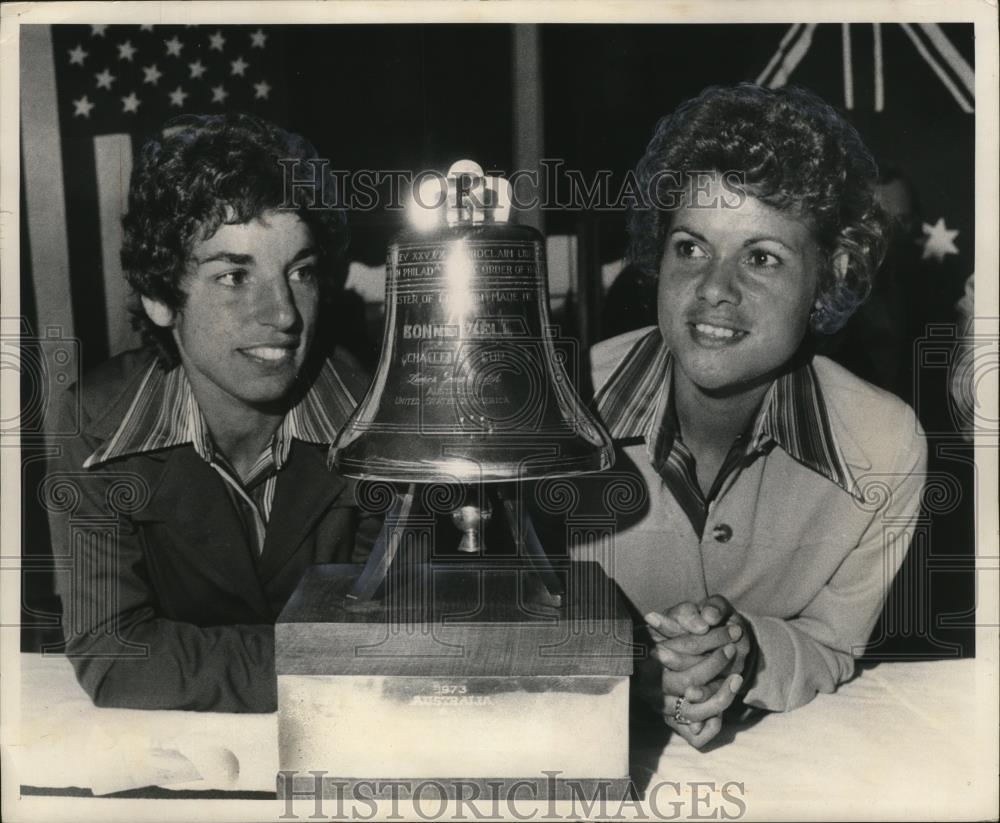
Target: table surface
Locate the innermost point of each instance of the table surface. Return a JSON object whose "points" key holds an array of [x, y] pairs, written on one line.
{"points": [[900, 739]]}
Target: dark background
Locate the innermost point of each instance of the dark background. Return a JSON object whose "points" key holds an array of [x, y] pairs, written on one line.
{"points": [[420, 96]]}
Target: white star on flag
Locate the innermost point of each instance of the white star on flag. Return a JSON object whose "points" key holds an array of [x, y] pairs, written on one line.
{"points": [[261, 90], [146, 27], [126, 50], [83, 107], [939, 240], [174, 46], [219, 94], [130, 103], [239, 66], [217, 41], [77, 56], [197, 69], [97, 31], [257, 39], [152, 74], [105, 79], [177, 97]]}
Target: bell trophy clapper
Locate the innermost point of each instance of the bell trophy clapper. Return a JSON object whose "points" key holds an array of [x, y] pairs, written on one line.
{"points": [[484, 670]]}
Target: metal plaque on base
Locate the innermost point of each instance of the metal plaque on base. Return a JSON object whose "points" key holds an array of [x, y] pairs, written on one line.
{"points": [[459, 674]]}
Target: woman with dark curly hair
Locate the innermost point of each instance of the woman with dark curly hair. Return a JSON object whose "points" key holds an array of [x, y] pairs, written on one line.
{"points": [[206, 171], [218, 429], [759, 558]]}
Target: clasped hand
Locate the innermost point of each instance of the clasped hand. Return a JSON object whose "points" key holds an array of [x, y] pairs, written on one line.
{"points": [[699, 652]]}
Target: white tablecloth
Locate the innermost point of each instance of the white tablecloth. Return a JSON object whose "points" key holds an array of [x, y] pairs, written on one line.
{"points": [[902, 739], [67, 741]]}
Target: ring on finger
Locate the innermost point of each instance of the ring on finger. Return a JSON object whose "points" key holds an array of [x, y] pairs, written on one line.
{"points": [[679, 717]]}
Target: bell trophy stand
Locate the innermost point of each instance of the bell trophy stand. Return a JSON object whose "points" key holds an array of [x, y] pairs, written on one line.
{"points": [[509, 674]]}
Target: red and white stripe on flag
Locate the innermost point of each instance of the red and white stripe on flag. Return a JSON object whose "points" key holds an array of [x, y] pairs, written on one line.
{"points": [[929, 40]]}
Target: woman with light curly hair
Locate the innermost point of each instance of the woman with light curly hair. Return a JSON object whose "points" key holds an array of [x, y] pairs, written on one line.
{"points": [[779, 487]]}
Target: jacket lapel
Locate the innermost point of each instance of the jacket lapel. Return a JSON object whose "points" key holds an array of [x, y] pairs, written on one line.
{"points": [[191, 501], [306, 489], [854, 455]]}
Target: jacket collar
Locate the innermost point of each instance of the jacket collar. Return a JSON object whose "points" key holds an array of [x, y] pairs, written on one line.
{"points": [[185, 496], [162, 413], [794, 415]]}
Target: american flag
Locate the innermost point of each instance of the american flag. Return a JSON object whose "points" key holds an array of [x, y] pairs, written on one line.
{"points": [[91, 94]]}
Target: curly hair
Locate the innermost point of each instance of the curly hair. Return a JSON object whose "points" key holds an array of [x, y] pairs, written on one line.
{"points": [[201, 172], [792, 151]]}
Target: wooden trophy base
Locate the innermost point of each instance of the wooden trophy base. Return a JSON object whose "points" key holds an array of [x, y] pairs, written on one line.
{"points": [[464, 674]]}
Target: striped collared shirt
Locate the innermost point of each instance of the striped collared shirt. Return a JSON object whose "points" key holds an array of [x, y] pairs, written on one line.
{"points": [[636, 404], [164, 414]]}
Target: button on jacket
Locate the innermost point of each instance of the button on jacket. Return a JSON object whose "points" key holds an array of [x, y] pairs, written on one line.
{"points": [[173, 570], [803, 536]]}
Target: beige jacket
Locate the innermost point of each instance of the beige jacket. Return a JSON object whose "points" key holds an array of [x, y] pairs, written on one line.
{"points": [[807, 563]]}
